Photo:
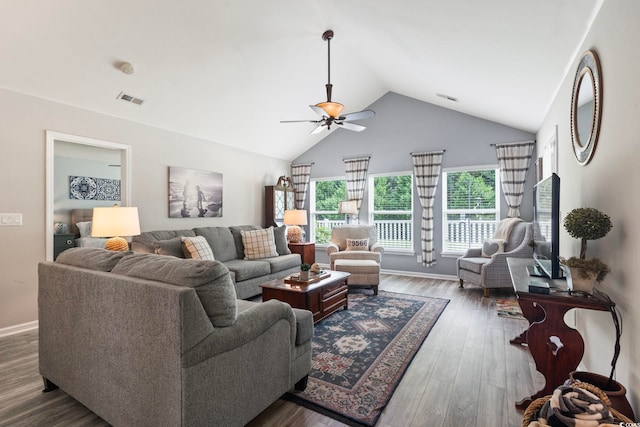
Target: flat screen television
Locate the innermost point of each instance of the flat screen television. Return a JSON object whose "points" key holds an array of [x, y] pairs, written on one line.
{"points": [[546, 227]]}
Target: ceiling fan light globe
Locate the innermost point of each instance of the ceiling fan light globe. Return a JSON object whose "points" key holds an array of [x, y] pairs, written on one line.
{"points": [[333, 109]]}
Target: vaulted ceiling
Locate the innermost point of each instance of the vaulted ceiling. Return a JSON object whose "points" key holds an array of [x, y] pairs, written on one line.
{"points": [[229, 71]]}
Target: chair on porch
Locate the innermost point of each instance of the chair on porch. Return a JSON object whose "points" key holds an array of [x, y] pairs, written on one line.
{"points": [[487, 266]]}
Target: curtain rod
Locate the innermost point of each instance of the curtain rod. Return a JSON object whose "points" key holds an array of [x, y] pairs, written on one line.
{"points": [[359, 157], [428, 152], [302, 164], [533, 141]]}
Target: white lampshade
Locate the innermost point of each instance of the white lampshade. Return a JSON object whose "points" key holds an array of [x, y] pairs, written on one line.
{"points": [[115, 222], [348, 207], [293, 219]]}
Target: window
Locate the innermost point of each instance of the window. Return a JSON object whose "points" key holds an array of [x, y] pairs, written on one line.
{"points": [[391, 209], [471, 207], [325, 196]]}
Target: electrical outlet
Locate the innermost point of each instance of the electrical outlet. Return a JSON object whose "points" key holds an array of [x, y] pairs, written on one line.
{"points": [[419, 258], [10, 219]]}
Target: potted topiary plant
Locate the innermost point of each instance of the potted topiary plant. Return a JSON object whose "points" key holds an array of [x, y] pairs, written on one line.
{"points": [[585, 224], [304, 271]]}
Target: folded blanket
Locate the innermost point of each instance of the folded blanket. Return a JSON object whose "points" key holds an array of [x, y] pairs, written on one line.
{"points": [[572, 406], [503, 229]]}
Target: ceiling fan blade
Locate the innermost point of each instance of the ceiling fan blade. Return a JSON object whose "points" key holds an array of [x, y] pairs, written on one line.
{"points": [[359, 115], [298, 121], [351, 126], [319, 128], [319, 111]]}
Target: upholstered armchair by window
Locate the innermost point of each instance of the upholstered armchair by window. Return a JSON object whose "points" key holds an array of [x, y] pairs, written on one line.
{"points": [[348, 242], [487, 266]]}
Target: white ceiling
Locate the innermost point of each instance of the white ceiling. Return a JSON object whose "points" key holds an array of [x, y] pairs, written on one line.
{"points": [[229, 71]]}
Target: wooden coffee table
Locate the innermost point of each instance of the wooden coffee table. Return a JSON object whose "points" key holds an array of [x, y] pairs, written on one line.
{"points": [[321, 298]]}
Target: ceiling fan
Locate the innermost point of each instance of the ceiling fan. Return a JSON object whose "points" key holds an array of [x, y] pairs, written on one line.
{"points": [[331, 112]]}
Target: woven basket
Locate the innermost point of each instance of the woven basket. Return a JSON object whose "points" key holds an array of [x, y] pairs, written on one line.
{"points": [[538, 403]]}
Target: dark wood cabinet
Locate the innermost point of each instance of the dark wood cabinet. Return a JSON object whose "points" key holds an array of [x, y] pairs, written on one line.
{"points": [[62, 242], [307, 251], [277, 199]]}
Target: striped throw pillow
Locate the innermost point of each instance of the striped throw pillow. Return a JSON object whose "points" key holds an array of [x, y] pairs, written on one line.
{"points": [[259, 243]]}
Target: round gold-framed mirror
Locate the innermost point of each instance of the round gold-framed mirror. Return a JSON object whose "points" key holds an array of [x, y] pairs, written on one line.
{"points": [[586, 107]]}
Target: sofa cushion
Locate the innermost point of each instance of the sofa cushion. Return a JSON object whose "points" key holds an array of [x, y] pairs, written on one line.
{"points": [[245, 270], [237, 237], [473, 264], [221, 241], [283, 262], [144, 242], [280, 236], [210, 279], [259, 244], [171, 247], [197, 248], [92, 258]]}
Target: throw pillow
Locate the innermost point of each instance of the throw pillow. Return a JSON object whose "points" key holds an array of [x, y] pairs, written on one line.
{"points": [[491, 247], [172, 247], [84, 228], [357, 244], [259, 244], [280, 235], [197, 248]]}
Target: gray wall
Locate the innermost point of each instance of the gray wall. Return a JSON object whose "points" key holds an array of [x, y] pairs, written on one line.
{"points": [[22, 134], [610, 182], [403, 125]]}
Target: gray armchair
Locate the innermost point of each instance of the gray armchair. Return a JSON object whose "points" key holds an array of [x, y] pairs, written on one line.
{"points": [[493, 272], [364, 265]]}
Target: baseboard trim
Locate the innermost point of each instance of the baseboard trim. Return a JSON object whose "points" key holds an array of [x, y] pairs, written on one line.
{"points": [[16, 329], [420, 274]]}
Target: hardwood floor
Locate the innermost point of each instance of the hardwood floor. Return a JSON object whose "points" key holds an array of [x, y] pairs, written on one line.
{"points": [[465, 374]]}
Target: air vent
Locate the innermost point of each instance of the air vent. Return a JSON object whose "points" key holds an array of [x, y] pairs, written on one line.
{"points": [[130, 98], [450, 98]]}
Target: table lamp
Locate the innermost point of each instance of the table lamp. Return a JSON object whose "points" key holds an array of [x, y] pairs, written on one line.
{"points": [[114, 222], [293, 219], [348, 208]]}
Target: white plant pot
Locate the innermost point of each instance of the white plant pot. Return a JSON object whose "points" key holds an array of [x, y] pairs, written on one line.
{"points": [[304, 275], [577, 282]]}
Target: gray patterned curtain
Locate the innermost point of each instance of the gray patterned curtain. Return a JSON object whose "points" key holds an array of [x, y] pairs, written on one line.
{"points": [[356, 179], [426, 169], [300, 175], [514, 160]]}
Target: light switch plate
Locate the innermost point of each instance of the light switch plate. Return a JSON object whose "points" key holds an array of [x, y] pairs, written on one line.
{"points": [[10, 219]]}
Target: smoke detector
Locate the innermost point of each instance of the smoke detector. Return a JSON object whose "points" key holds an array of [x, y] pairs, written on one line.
{"points": [[126, 67]]}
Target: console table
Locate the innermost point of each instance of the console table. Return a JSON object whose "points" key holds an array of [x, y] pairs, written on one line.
{"points": [[557, 349]]}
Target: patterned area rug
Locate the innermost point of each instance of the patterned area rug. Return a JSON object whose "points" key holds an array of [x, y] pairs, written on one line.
{"points": [[361, 354], [509, 308]]}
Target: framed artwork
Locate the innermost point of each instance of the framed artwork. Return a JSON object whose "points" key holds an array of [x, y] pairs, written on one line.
{"points": [[194, 193], [88, 188]]}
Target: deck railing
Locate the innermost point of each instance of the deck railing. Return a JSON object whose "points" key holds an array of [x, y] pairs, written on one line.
{"points": [[397, 234]]}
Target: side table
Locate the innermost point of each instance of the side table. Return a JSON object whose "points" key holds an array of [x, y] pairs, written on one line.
{"points": [[556, 348], [307, 251], [62, 242]]}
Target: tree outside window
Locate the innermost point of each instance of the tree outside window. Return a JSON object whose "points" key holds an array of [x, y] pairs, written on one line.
{"points": [[326, 196], [471, 207]]}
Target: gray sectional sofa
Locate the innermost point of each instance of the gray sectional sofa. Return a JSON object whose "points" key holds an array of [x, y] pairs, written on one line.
{"points": [[152, 340], [227, 247]]}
